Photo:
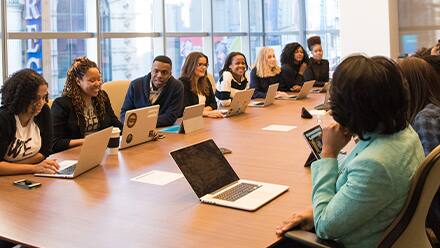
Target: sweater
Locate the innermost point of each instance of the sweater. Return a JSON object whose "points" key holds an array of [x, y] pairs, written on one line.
{"points": [[289, 77], [170, 99], [261, 85], [317, 71]]}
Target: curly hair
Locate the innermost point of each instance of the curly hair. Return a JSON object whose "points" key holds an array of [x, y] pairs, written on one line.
{"points": [[288, 54], [76, 72], [369, 95], [20, 90]]}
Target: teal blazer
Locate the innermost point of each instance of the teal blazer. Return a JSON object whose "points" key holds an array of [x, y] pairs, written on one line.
{"points": [[356, 200]]}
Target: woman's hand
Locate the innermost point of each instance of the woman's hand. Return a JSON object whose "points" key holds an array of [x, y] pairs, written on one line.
{"points": [[295, 88], [281, 94], [302, 220], [213, 114], [47, 166], [334, 138]]}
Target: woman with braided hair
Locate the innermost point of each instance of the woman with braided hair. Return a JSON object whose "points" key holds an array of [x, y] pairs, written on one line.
{"points": [[83, 107]]}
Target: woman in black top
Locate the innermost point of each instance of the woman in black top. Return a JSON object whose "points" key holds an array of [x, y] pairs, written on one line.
{"points": [[293, 65], [197, 87], [83, 108], [265, 72], [319, 68], [25, 125]]}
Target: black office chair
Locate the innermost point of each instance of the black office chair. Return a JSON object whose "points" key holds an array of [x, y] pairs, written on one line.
{"points": [[408, 229]]}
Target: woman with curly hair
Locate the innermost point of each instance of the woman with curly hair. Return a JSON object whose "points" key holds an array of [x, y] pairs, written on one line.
{"points": [[25, 125], [294, 62], [83, 108]]}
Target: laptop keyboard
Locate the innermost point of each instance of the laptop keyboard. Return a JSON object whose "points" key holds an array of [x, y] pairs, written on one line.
{"points": [[237, 192], [67, 171]]}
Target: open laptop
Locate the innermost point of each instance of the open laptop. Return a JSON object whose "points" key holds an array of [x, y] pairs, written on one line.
{"points": [[270, 97], [239, 103], [215, 182], [303, 93], [192, 120], [139, 126], [326, 104], [323, 89], [92, 152]]}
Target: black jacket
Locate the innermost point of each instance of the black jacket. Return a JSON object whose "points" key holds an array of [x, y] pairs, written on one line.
{"points": [[65, 122], [289, 77], [317, 71], [8, 128], [189, 98]]}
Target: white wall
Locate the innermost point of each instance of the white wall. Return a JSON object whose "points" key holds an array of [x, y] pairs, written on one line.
{"points": [[369, 27]]}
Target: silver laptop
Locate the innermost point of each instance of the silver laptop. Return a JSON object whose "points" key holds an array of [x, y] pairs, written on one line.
{"points": [[139, 126], [326, 104], [92, 152], [239, 103], [192, 120], [270, 97], [215, 182], [303, 93]]}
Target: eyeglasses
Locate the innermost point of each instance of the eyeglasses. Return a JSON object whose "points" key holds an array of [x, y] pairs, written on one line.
{"points": [[201, 64]]}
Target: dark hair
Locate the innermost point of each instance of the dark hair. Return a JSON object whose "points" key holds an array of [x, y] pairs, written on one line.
{"points": [[369, 95], [288, 54], [76, 72], [163, 59], [423, 84], [20, 90], [228, 61], [434, 61], [191, 63]]}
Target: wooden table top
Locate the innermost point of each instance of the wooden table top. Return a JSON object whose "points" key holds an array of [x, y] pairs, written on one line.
{"points": [[103, 208]]}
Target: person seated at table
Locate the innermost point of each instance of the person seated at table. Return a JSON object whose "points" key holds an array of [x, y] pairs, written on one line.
{"points": [[424, 114], [354, 201], [158, 87], [25, 125], [83, 108], [233, 78], [294, 62], [265, 72], [319, 68], [196, 84]]}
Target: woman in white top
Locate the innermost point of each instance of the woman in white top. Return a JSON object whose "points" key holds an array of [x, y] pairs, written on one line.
{"points": [[232, 78], [25, 125], [196, 84]]}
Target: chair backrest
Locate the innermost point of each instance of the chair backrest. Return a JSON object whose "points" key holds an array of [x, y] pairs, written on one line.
{"points": [[213, 83], [408, 229], [49, 103], [116, 91]]}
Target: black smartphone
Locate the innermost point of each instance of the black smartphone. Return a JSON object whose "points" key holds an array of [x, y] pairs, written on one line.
{"points": [[313, 137], [26, 184]]}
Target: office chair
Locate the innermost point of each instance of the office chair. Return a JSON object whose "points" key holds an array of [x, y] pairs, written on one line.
{"points": [[408, 228], [116, 91]]}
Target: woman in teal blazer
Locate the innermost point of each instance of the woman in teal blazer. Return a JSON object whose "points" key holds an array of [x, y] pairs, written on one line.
{"points": [[356, 200]]}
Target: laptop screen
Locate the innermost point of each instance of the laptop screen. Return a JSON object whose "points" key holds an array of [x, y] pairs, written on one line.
{"points": [[205, 167]]}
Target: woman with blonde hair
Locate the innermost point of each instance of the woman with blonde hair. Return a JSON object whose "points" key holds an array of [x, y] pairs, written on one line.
{"points": [[83, 107], [266, 72], [196, 84]]}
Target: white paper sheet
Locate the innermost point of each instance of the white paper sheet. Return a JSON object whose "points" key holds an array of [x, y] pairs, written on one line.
{"points": [[279, 128], [317, 112], [157, 177]]}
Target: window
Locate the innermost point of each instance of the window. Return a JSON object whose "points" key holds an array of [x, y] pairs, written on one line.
{"points": [[46, 35], [419, 24]]}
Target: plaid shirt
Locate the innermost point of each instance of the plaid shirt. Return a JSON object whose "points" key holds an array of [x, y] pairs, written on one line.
{"points": [[427, 126]]}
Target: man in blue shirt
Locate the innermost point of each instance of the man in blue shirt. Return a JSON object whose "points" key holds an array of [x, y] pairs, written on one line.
{"points": [[157, 87]]}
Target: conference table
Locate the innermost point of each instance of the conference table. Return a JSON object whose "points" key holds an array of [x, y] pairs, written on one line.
{"points": [[104, 208]]}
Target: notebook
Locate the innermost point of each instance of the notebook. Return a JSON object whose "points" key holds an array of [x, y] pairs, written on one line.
{"points": [[139, 126], [303, 93], [192, 120], [92, 152], [270, 97], [239, 103], [215, 182]]}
